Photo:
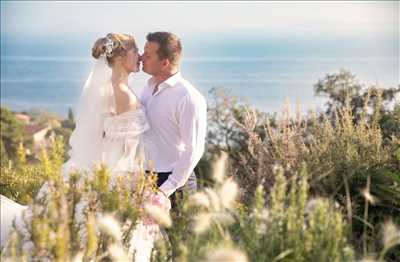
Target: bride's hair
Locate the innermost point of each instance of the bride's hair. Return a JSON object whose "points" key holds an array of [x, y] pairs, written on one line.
{"points": [[113, 45]]}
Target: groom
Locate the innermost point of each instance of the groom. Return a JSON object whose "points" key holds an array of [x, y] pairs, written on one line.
{"points": [[177, 114]]}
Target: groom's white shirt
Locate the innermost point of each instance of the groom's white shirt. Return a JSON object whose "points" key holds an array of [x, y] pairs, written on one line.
{"points": [[177, 114]]}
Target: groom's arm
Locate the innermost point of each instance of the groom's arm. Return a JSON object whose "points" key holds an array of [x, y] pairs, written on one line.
{"points": [[192, 122]]}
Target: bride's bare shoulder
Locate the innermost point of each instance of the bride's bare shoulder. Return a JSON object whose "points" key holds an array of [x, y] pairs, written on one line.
{"points": [[126, 99]]}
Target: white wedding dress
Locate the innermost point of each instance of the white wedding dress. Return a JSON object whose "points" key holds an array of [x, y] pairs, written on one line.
{"points": [[100, 136]]}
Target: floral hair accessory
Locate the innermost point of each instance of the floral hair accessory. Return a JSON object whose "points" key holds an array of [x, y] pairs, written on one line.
{"points": [[109, 46]]}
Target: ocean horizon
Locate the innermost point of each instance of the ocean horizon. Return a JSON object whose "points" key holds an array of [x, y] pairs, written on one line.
{"points": [[263, 52], [263, 71], [54, 83]]}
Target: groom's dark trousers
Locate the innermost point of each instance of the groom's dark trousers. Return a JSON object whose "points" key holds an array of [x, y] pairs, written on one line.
{"points": [[177, 195]]}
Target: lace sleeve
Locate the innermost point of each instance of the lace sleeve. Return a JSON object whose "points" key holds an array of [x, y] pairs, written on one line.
{"points": [[127, 130], [126, 125]]}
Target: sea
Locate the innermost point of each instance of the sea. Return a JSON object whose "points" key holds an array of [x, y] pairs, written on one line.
{"points": [[53, 81]]}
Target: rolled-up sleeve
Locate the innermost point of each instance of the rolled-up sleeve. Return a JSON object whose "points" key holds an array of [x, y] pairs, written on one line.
{"points": [[191, 115]]}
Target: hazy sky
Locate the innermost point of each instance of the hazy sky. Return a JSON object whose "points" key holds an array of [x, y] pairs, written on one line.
{"points": [[212, 31], [202, 19], [193, 17]]}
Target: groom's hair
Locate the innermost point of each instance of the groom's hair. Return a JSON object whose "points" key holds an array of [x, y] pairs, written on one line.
{"points": [[170, 46]]}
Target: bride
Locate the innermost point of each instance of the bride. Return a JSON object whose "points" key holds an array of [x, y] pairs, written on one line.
{"points": [[110, 122], [110, 118]]}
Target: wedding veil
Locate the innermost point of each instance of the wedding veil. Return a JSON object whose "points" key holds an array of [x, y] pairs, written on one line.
{"points": [[85, 140]]}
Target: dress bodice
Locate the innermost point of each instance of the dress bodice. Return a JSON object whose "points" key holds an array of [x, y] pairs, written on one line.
{"points": [[126, 125]]}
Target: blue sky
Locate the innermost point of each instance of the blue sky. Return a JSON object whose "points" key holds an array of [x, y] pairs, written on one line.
{"points": [[206, 24]]}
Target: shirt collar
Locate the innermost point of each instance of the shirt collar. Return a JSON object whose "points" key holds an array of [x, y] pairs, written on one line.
{"points": [[172, 80], [169, 82]]}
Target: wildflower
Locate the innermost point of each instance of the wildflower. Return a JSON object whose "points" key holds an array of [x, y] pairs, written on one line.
{"points": [[391, 234], [214, 199], [78, 257], [261, 228], [118, 253], [199, 199], [80, 208], [368, 259], [370, 198], [225, 254], [276, 168], [110, 226], [311, 205], [219, 168], [223, 218], [228, 193], [263, 215], [158, 214], [90, 235], [202, 222]]}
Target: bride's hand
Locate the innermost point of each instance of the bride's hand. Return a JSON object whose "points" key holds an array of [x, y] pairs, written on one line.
{"points": [[161, 200], [152, 202], [158, 199]]}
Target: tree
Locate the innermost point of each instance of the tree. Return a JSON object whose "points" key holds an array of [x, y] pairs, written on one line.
{"points": [[390, 122], [343, 86], [69, 123], [338, 86], [3, 154], [12, 133], [70, 115]]}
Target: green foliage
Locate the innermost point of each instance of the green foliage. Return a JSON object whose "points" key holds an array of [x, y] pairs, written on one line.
{"points": [[288, 227], [351, 144], [65, 220], [294, 227], [3, 154], [12, 134], [64, 130], [66, 214], [70, 118], [342, 86], [20, 180], [390, 122], [42, 116], [336, 209], [358, 170]]}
